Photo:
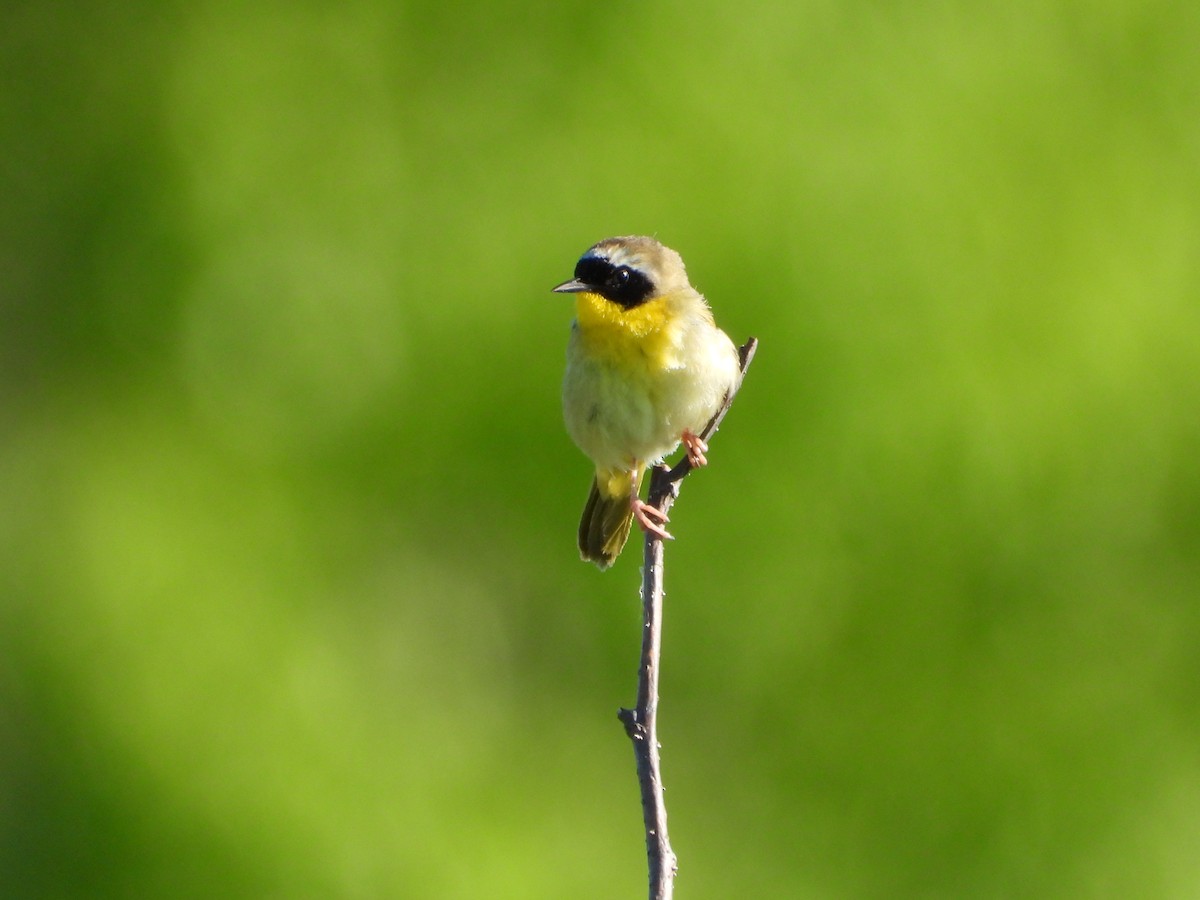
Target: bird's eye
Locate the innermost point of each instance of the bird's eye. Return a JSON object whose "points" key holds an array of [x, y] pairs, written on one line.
{"points": [[619, 278]]}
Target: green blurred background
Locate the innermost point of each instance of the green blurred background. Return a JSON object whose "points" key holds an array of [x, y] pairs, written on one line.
{"points": [[289, 600]]}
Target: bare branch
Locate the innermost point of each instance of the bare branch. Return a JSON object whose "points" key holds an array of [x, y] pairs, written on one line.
{"points": [[641, 722]]}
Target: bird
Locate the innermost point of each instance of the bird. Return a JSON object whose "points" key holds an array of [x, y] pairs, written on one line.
{"points": [[647, 369]]}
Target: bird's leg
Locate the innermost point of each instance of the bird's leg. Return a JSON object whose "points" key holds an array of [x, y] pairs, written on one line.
{"points": [[696, 448], [644, 513]]}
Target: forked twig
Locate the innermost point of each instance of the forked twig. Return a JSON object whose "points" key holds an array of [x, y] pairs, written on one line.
{"points": [[641, 721]]}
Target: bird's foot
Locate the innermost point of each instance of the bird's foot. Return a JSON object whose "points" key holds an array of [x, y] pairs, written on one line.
{"points": [[645, 514], [696, 448]]}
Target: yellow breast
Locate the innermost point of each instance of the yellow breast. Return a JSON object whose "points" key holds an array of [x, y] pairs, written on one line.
{"points": [[627, 339]]}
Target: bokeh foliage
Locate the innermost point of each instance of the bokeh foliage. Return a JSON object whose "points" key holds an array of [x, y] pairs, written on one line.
{"points": [[289, 604]]}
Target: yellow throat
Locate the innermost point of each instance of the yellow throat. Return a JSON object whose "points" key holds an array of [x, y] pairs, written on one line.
{"points": [[626, 338]]}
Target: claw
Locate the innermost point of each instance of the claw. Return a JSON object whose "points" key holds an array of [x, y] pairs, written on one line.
{"points": [[644, 513], [696, 448]]}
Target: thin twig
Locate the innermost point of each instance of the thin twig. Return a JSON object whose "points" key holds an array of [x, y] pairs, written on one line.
{"points": [[641, 722]]}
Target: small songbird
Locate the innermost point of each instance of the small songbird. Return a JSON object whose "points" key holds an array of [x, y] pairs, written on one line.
{"points": [[647, 368]]}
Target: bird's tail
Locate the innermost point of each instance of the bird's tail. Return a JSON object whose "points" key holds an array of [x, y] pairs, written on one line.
{"points": [[607, 516]]}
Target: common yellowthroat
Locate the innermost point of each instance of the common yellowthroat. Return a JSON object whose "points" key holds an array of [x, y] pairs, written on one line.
{"points": [[647, 368]]}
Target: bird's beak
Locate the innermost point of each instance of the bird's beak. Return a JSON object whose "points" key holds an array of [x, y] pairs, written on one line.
{"points": [[574, 286]]}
